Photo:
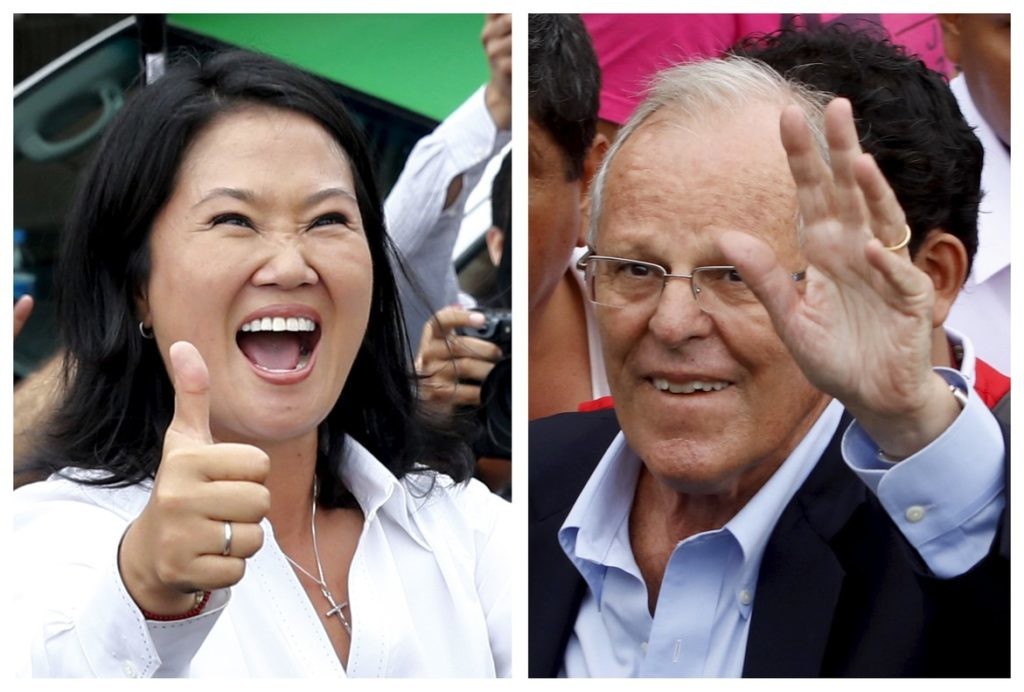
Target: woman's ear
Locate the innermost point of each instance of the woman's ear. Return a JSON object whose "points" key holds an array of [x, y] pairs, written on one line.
{"points": [[142, 308], [591, 164], [944, 259]]}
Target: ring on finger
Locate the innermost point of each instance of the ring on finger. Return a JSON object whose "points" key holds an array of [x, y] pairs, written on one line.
{"points": [[903, 243], [228, 535]]}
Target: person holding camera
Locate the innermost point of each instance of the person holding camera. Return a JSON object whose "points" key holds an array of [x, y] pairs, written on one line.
{"points": [[452, 364], [464, 356]]}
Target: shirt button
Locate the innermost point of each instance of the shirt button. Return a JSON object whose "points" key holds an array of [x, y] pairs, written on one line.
{"points": [[746, 598], [643, 647], [129, 670], [914, 513]]}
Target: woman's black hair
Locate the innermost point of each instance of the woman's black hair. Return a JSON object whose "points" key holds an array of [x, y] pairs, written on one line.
{"points": [[118, 400]]}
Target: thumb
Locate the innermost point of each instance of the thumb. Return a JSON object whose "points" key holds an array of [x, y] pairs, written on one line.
{"points": [[191, 393]]}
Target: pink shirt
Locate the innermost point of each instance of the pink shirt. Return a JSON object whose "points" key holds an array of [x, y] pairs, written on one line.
{"points": [[631, 48]]}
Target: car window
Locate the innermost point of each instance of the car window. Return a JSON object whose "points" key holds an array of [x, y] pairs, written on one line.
{"points": [[57, 121]]}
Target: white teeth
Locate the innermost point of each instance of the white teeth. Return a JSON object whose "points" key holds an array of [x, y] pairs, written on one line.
{"points": [[688, 387], [280, 324]]}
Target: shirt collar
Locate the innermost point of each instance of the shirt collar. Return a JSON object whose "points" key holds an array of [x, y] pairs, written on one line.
{"points": [[754, 523], [594, 535], [590, 534], [377, 490]]}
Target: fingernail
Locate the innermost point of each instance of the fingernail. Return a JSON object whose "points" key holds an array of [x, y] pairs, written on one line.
{"points": [[477, 319]]}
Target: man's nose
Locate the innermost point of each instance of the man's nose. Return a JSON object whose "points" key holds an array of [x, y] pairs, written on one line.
{"points": [[286, 265], [677, 317]]}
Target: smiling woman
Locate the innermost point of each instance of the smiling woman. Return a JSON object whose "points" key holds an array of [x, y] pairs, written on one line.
{"points": [[239, 449], [263, 224]]}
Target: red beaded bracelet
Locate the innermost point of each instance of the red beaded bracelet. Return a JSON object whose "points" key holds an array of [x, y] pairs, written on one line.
{"points": [[202, 598]]}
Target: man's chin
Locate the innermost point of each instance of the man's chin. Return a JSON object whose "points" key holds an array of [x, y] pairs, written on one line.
{"points": [[690, 474], [693, 460]]}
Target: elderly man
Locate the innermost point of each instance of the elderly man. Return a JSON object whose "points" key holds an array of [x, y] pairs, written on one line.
{"points": [[751, 300]]}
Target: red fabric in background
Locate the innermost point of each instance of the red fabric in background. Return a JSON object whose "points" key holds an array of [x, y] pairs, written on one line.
{"points": [[990, 384]]}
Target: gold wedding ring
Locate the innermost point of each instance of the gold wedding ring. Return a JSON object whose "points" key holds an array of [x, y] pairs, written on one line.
{"points": [[228, 535], [903, 243]]}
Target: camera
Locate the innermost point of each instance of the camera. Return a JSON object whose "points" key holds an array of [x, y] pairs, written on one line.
{"points": [[495, 412], [497, 328]]}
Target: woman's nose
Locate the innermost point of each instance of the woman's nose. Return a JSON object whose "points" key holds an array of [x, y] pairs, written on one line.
{"points": [[285, 265]]}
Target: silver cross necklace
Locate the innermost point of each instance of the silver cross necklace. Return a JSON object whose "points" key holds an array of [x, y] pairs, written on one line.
{"points": [[336, 608]]}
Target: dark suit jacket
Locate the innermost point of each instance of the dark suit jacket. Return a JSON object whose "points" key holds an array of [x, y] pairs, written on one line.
{"points": [[840, 591]]}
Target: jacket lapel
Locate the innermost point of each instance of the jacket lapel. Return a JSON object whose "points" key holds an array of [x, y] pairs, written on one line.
{"points": [[797, 592], [564, 450], [556, 591], [801, 578]]}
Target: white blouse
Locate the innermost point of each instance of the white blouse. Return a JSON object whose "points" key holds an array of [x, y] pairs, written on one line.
{"points": [[429, 589]]}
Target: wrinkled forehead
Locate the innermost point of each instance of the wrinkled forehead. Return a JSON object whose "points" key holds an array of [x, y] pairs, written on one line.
{"points": [[726, 170]]}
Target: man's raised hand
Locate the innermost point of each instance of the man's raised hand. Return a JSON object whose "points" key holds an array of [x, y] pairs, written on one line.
{"points": [[861, 325]]}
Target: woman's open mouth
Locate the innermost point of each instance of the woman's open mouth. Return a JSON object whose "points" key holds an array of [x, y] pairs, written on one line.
{"points": [[279, 345]]}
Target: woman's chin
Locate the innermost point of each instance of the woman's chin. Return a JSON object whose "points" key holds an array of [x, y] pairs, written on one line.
{"points": [[269, 430]]}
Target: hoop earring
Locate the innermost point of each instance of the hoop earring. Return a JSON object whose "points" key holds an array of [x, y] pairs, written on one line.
{"points": [[145, 334]]}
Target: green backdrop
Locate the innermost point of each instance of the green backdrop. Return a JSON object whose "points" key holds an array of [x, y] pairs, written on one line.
{"points": [[427, 63]]}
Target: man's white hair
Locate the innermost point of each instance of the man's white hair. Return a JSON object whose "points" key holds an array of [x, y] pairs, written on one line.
{"points": [[700, 90]]}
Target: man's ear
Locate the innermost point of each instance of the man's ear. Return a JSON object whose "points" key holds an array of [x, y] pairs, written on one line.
{"points": [[944, 259], [591, 164], [595, 156], [495, 242], [951, 36]]}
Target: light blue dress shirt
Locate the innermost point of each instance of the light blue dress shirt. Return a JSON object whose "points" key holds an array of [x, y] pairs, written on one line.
{"points": [[948, 511]]}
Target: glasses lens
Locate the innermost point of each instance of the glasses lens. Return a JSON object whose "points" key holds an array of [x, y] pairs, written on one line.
{"points": [[720, 288], [621, 283]]}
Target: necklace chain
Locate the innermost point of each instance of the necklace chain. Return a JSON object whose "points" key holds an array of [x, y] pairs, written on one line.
{"points": [[336, 608]]}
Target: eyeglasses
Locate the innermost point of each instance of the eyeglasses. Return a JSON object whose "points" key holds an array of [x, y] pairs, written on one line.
{"points": [[625, 283]]}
